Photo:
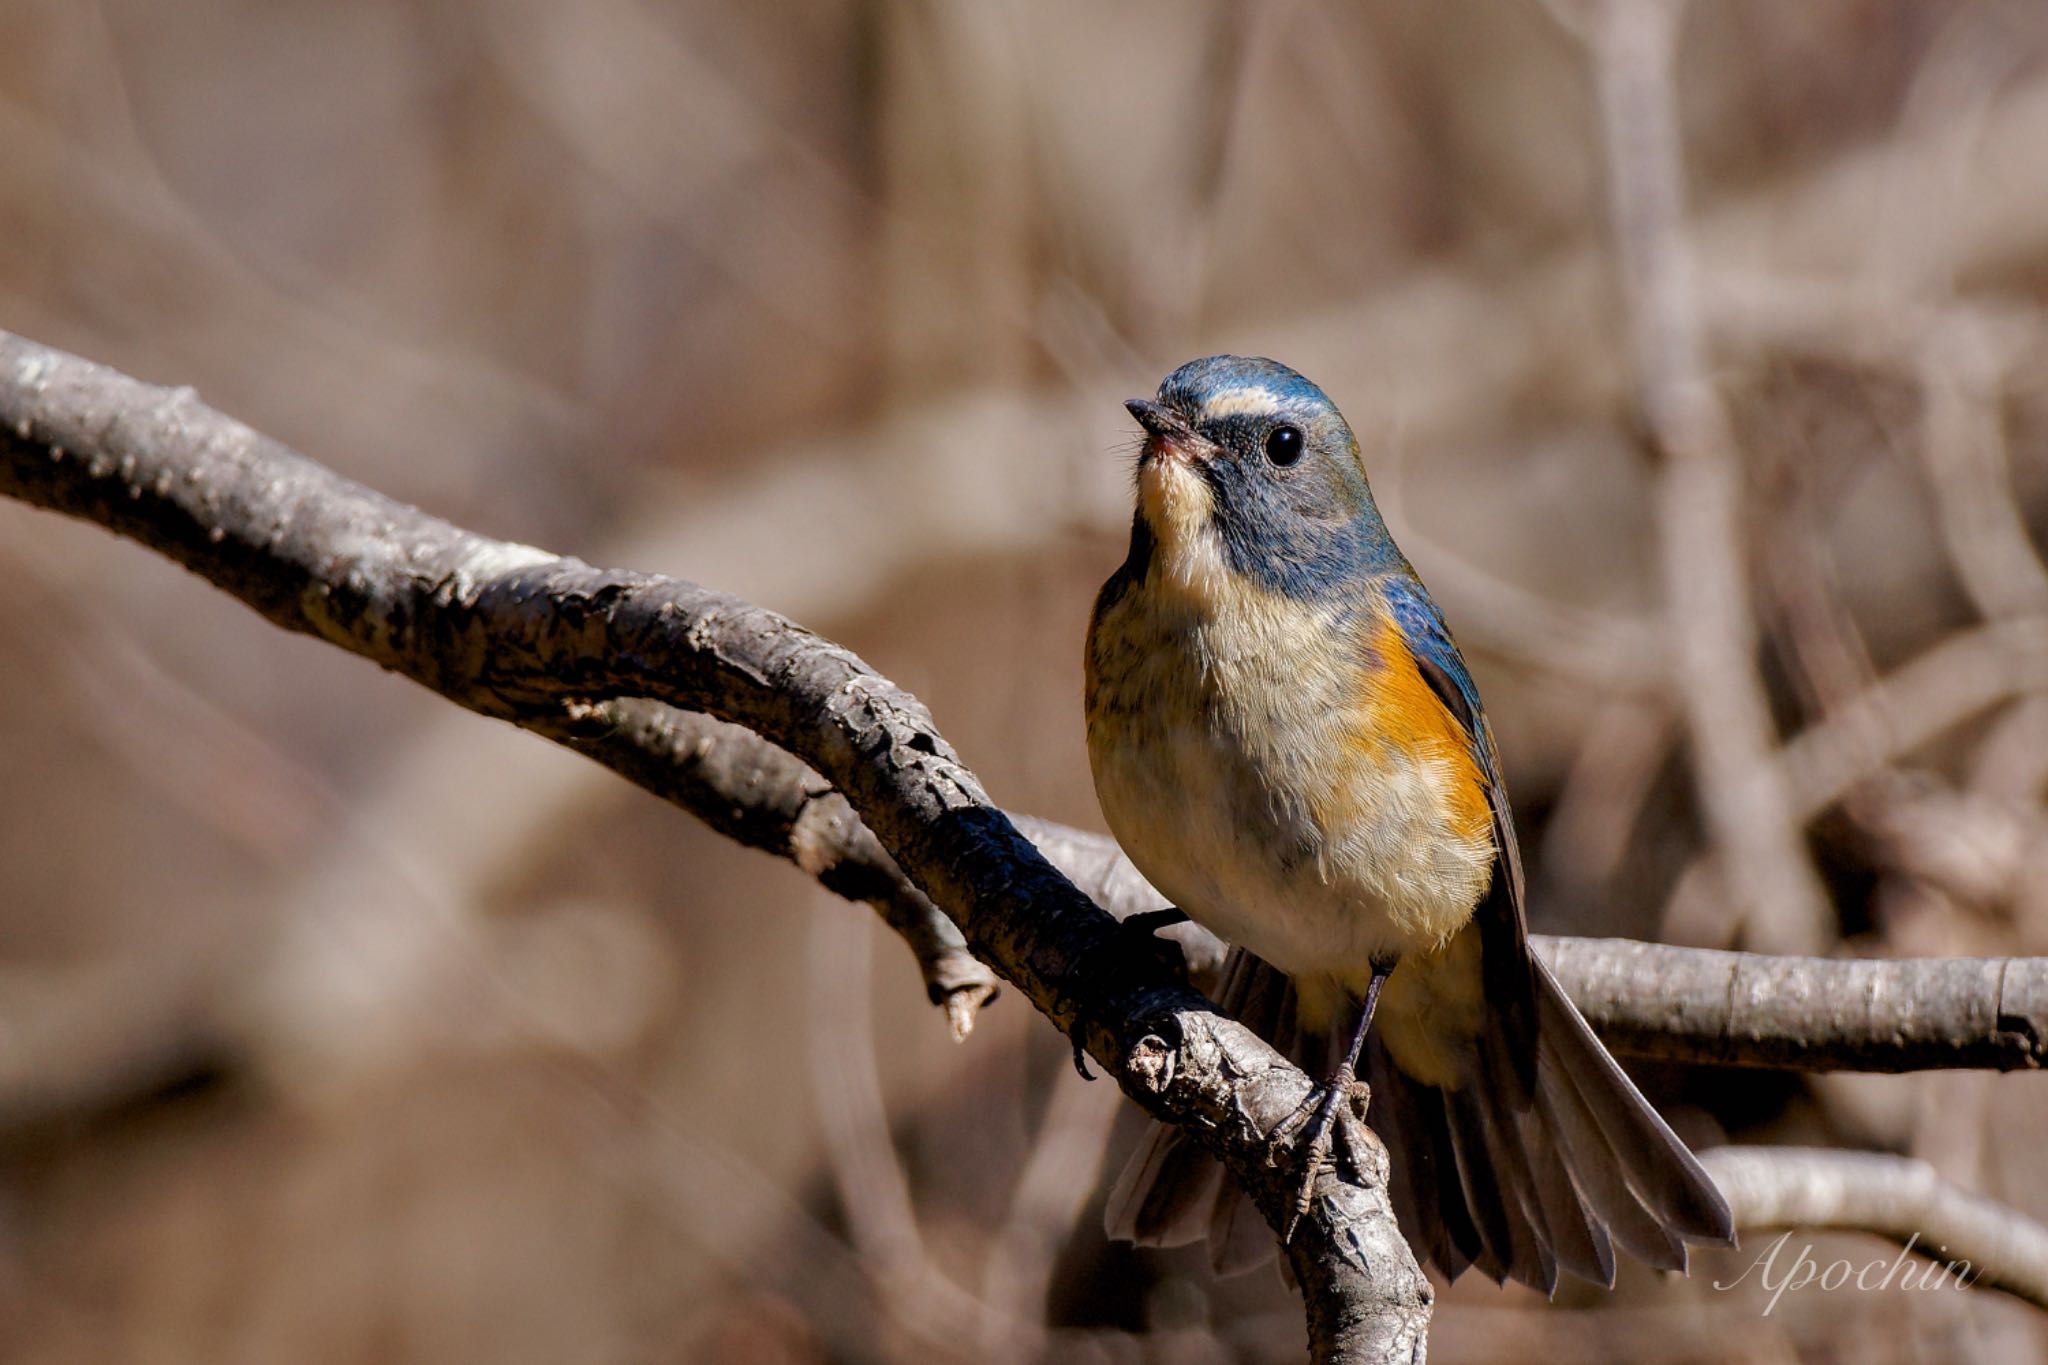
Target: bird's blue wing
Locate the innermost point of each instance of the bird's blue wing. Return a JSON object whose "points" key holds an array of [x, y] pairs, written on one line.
{"points": [[1503, 924], [1430, 640], [1443, 668]]}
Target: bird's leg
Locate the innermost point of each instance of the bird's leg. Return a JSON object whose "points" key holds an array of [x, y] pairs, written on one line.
{"points": [[1136, 936], [1336, 1093]]}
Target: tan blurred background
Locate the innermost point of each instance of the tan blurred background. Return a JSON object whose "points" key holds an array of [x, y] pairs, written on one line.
{"points": [[338, 1025]]}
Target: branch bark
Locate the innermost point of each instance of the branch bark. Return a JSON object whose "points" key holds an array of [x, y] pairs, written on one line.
{"points": [[1807, 1013], [1711, 1007], [517, 633]]}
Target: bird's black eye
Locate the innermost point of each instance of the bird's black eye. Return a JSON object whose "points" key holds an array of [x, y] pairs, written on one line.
{"points": [[1284, 445]]}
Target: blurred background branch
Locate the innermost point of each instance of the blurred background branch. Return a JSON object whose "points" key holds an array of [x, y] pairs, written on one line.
{"points": [[1900, 1200], [1765, 881]]}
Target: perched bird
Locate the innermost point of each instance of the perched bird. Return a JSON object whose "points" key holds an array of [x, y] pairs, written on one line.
{"points": [[1287, 744]]}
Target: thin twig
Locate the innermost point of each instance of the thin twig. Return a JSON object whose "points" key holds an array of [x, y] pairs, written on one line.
{"points": [[1948, 683], [860, 1151]]}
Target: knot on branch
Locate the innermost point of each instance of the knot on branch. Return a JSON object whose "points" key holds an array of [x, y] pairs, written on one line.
{"points": [[1150, 1064]]}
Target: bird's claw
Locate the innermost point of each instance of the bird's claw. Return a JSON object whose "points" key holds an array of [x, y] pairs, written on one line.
{"points": [[1136, 940], [1316, 1154]]}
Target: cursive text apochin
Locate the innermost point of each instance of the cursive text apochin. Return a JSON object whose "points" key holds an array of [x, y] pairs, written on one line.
{"points": [[1803, 1271]]}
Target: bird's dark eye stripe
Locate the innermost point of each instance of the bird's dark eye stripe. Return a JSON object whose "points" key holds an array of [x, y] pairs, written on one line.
{"points": [[1284, 445]]}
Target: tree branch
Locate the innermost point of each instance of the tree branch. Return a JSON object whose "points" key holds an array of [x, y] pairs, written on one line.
{"points": [[1648, 1000], [1807, 1013], [514, 632], [1707, 1006], [1717, 1008]]}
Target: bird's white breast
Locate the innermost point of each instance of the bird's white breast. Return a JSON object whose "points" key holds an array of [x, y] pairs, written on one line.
{"points": [[1234, 756]]}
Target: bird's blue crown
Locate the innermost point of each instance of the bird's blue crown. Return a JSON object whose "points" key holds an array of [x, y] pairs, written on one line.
{"points": [[1293, 511], [1194, 383]]}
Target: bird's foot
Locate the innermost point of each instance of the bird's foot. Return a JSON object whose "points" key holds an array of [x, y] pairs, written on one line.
{"points": [[1327, 1103], [1136, 944]]}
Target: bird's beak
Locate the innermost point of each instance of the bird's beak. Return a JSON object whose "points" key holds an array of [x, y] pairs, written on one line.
{"points": [[1173, 498], [1166, 427]]}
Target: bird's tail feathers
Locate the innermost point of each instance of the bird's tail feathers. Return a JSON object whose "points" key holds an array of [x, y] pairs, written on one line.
{"points": [[1172, 1193], [1487, 1174]]}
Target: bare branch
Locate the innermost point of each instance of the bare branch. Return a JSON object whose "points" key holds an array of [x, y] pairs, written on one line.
{"points": [[1807, 1013], [1054, 1184], [1897, 1198], [1719, 1008], [516, 633]]}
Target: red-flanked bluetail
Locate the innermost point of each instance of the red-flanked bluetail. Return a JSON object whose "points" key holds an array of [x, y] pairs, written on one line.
{"points": [[1287, 743]]}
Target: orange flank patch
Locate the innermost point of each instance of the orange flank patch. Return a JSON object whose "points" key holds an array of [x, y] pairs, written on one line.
{"points": [[1402, 804], [1404, 713]]}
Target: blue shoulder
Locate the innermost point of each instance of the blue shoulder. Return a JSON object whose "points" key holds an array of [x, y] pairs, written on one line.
{"points": [[1429, 639], [1443, 668]]}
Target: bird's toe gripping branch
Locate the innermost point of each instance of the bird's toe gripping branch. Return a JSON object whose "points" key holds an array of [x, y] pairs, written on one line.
{"points": [[1133, 950]]}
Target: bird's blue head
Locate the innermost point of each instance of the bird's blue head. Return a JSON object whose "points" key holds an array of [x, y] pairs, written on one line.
{"points": [[1249, 469]]}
